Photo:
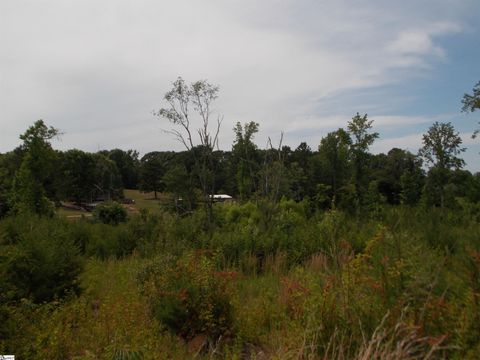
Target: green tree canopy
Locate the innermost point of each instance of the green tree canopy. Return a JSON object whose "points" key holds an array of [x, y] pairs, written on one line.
{"points": [[128, 166], [152, 168], [359, 129], [77, 180], [334, 155], [471, 103], [244, 154], [37, 165], [441, 146]]}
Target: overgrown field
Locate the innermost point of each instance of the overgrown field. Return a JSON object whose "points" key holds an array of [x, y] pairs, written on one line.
{"points": [[265, 281]]}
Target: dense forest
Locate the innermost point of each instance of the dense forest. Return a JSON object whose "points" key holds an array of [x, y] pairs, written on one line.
{"points": [[329, 252]]}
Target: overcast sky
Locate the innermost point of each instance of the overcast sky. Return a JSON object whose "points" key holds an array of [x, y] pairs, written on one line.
{"points": [[97, 69]]}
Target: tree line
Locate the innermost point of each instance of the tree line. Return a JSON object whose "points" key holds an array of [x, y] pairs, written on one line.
{"points": [[341, 172]]}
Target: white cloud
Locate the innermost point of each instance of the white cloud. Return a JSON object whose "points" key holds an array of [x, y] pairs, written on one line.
{"points": [[413, 47], [421, 41]]}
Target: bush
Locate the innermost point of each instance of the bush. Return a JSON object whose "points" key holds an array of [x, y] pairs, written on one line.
{"points": [[110, 213], [188, 296], [106, 241], [39, 260]]}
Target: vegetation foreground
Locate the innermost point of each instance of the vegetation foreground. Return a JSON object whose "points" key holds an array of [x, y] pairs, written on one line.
{"points": [[271, 281]]}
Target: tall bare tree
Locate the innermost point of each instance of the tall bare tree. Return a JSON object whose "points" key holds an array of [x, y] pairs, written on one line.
{"points": [[273, 173], [187, 105]]}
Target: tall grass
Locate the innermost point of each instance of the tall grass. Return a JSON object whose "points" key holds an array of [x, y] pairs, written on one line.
{"points": [[273, 281]]}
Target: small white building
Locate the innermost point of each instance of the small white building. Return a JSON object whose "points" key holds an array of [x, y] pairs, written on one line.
{"points": [[221, 198]]}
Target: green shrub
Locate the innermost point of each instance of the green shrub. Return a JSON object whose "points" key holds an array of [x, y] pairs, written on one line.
{"points": [[110, 213], [104, 240], [38, 259], [108, 241], [188, 296]]}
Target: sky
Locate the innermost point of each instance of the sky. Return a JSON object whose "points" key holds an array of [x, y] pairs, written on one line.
{"points": [[98, 69]]}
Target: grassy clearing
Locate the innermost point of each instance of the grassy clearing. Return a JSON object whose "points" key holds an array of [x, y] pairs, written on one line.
{"points": [[72, 213], [144, 200]]}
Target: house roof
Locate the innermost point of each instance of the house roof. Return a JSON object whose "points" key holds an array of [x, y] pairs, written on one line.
{"points": [[221, 196]]}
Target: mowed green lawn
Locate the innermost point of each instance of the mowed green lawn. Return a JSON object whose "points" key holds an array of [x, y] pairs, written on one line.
{"points": [[70, 213], [144, 200]]}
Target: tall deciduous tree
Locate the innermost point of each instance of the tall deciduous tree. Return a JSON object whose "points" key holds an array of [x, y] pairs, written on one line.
{"points": [[9, 165], [128, 165], [334, 155], [108, 181], [300, 172], [180, 100], [399, 176], [179, 182], [152, 168], [441, 147], [77, 180], [359, 129], [243, 152], [37, 165]]}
